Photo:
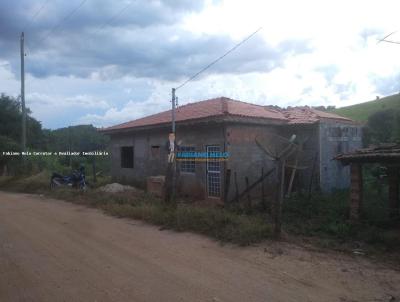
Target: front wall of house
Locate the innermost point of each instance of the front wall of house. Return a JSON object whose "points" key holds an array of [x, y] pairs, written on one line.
{"points": [[146, 164], [194, 185], [247, 159], [336, 138], [307, 136], [322, 142]]}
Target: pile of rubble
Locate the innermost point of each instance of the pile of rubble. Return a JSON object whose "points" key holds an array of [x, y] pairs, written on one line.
{"points": [[116, 188]]}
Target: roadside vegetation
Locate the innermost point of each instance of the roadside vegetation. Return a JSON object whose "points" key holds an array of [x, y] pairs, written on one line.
{"points": [[325, 218], [218, 223], [320, 219]]}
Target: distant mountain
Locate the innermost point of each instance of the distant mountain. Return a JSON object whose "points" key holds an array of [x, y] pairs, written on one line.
{"points": [[361, 112]]}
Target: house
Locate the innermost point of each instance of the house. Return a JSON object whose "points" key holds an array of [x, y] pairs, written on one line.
{"points": [[139, 147]]}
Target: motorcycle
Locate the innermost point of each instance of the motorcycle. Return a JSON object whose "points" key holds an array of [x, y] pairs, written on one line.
{"points": [[75, 180]]}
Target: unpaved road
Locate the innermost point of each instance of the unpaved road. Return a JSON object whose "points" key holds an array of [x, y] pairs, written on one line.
{"points": [[56, 251]]}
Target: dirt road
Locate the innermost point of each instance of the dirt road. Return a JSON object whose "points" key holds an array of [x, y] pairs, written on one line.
{"points": [[56, 251]]}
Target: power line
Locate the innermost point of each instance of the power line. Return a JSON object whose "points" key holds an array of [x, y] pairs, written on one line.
{"points": [[388, 41], [33, 18], [113, 17], [387, 36], [218, 59], [62, 21]]}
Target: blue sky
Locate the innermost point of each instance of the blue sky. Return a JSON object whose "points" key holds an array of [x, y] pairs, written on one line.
{"points": [[88, 70]]}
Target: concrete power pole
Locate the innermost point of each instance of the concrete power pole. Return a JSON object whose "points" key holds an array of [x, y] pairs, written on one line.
{"points": [[170, 177], [174, 151], [173, 110], [23, 138]]}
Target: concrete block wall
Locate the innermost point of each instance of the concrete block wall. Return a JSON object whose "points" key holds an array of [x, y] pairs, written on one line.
{"points": [[308, 138], [324, 140], [335, 138], [189, 184], [246, 157], [194, 185], [144, 163]]}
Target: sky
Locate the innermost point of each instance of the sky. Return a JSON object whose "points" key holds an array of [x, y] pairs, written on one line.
{"points": [[105, 62]]}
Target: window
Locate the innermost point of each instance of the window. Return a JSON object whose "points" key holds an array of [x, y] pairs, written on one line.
{"points": [[213, 174], [155, 152], [127, 157], [187, 165]]}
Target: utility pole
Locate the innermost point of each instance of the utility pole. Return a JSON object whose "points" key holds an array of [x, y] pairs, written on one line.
{"points": [[173, 110], [173, 148], [23, 139], [170, 177]]}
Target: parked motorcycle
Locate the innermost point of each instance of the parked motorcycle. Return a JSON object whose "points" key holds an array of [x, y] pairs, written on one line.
{"points": [[75, 180]]}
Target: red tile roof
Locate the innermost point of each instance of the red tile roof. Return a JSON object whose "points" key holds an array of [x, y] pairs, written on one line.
{"points": [[209, 108], [227, 107], [307, 115]]}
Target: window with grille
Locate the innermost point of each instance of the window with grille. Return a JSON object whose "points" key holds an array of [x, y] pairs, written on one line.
{"points": [[188, 165], [127, 157], [213, 174]]}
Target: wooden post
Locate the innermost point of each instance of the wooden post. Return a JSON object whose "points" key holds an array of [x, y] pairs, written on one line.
{"points": [[248, 195], [289, 191], [279, 199], [312, 175], [356, 191], [227, 184], [94, 169], [263, 201], [236, 188], [393, 182]]}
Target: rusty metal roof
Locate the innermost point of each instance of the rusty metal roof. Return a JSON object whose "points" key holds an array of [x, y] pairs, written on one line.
{"points": [[380, 153]]}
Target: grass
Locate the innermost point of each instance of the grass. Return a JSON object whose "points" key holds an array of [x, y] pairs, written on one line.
{"points": [[361, 112], [326, 217], [322, 217], [218, 223]]}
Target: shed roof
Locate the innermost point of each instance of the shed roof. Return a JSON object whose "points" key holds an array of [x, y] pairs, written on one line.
{"points": [[373, 154]]}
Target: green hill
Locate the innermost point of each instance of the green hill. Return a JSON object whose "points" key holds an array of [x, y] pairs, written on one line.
{"points": [[361, 112]]}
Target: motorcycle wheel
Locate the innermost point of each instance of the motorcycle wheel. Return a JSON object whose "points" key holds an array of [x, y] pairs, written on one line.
{"points": [[82, 187]]}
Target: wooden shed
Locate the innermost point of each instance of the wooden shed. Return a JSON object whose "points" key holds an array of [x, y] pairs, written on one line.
{"points": [[387, 155]]}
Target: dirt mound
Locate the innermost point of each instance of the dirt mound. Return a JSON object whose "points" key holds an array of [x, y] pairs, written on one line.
{"points": [[116, 188]]}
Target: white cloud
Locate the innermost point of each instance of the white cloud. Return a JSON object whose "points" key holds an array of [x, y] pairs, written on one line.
{"points": [[344, 65]]}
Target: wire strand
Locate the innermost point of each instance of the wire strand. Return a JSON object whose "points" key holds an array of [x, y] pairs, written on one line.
{"points": [[217, 60], [388, 41], [33, 18], [113, 17], [61, 22]]}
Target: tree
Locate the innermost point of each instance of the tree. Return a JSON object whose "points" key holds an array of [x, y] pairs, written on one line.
{"points": [[10, 126], [383, 127]]}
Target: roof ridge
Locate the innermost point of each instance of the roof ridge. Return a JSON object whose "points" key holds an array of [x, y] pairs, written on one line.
{"points": [[243, 102]]}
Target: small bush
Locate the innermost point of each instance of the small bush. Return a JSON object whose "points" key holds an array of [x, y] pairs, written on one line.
{"points": [[326, 217]]}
